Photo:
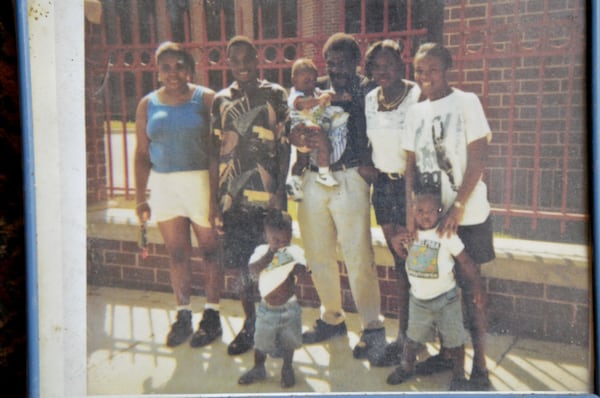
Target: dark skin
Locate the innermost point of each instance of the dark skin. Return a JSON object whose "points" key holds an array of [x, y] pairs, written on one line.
{"points": [[176, 90], [426, 214], [474, 296], [277, 239], [476, 153], [430, 74], [387, 73], [341, 68], [243, 63], [313, 135]]}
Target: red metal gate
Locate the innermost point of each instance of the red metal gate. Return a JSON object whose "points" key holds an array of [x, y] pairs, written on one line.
{"points": [[525, 60]]}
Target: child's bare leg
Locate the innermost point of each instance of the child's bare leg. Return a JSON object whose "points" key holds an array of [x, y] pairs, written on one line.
{"points": [[258, 372], [301, 163], [294, 183], [409, 355], [323, 149], [477, 324], [459, 382], [458, 362], [406, 370], [288, 378], [325, 177]]}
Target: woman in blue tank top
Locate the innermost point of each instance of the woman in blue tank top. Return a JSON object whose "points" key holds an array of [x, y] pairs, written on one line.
{"points": [[176, 159]]}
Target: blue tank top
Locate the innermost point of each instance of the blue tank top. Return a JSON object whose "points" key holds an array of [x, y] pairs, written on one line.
{"points": [[179, 134]]}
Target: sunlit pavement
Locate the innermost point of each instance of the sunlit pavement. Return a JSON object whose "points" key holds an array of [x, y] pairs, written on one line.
{"points": [[126, 355]]}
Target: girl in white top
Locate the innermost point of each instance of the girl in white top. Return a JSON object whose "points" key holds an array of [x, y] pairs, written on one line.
{"points": [[386, 108]]}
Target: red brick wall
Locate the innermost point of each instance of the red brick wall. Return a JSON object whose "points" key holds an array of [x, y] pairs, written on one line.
{"points": [[539, 310], [526, 62], [535, 111], [520, 308], [94, 121]]}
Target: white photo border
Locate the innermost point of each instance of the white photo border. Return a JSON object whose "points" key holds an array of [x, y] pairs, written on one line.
{"points": [[53, 120]]}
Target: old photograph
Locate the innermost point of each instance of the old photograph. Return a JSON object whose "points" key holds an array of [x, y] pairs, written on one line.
{"points": [[303, 196]]}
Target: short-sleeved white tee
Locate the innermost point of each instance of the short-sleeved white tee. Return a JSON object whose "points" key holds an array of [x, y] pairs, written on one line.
{"points": [[438, 132], [280, 267], [386, 130], [430, 264]]}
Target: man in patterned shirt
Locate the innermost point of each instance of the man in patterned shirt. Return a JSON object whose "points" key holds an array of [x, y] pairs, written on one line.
{"points": [[250, 118]]}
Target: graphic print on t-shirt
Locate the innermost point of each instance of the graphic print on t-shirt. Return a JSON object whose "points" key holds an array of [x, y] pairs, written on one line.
{"points": [[438, 136], [439, 144], [422, 260], [280, 259]]}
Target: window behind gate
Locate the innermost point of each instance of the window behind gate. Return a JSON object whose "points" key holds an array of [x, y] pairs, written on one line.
{"points": [[387, 16]]}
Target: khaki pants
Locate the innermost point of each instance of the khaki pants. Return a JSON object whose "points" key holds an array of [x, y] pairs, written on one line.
{"points": [[340, 214]]}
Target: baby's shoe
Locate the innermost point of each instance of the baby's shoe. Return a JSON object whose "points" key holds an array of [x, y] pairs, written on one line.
{"points": [[327, 179], [294, 188]]}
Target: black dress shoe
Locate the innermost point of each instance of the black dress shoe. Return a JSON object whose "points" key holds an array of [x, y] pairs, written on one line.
{"points": [[323, 331]]}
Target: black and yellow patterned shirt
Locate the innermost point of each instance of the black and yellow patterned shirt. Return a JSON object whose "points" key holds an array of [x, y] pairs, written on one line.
{"points": [[251, 170]]}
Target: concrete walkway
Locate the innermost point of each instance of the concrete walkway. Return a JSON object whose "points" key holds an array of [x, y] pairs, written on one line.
{"points": [[126, 355]]}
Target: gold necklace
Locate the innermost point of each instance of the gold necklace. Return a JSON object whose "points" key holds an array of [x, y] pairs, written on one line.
{"points": [[393, 104]]}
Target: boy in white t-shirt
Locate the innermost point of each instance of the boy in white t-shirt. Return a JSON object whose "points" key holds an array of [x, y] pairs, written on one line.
{"points": [[312, 107], [434, 303], [278, 327]]}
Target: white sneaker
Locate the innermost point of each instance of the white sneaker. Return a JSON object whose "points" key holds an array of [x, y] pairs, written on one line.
{"points": [[294, 188], [327, 179]]}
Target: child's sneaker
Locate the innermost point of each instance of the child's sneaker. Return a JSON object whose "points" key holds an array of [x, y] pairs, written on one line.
{"points": [[294, 188], [327, 179]]}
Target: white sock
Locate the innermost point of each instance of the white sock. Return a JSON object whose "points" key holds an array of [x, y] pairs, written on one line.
{"points": [[323, 170], [211, 306], [187, 307]]}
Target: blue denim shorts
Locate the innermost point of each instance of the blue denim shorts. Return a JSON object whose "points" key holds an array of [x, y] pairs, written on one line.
{"points": [[278, 328], [442, 313]]}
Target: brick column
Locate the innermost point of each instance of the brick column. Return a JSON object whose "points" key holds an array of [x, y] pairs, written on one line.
{"points": [[244, 18], [198, 38]]}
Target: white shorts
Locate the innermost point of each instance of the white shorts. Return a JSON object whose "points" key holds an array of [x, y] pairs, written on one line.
{"points": [[180, 194]]}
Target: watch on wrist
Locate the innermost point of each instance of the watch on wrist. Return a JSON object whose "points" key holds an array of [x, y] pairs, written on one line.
{"points": [[457, 204]]}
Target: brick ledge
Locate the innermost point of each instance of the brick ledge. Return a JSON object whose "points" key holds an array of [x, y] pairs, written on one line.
{"points": [[558, 264]]}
